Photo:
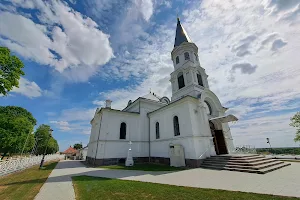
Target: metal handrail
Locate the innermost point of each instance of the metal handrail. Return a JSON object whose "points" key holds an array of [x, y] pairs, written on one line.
{"points": [[245, 149], [204, 152]]}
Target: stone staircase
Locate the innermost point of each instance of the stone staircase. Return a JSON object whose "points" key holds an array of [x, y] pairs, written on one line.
{"points": [[251, 163]]}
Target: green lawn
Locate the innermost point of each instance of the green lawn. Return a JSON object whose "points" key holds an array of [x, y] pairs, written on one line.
{"points": [[102, 188], [24, 184], [145, 167]]}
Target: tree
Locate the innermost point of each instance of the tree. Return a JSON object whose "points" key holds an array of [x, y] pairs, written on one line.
{"points": [[296, 123], [16, 125], [77, 146], [45, 141], [10, 70]]}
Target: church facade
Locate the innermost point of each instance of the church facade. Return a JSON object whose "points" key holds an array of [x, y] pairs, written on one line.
{"points": [[193, 120]]}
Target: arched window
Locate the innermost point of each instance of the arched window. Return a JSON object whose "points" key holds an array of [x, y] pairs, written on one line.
{"points": [[200, 82], [157, 130], [180, 80], [123, 130], [177, 60], [176, 126], [196, 56], [186, 56], [207, 108]]}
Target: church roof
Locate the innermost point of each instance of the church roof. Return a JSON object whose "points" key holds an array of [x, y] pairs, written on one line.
{"points": [[151, 96], [181, 35]]}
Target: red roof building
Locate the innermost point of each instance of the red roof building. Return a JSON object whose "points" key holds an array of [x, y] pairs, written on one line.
{"points": [[70, 151]]}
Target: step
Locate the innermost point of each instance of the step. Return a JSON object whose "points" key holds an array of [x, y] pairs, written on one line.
{"points": [[241, 165], [255, 167], [273, 168], [231, 169], [237, 156], [238, 161], [262, 161], [258, 171]]}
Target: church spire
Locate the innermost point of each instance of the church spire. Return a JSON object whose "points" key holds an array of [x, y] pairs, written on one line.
{"points": [[181, 35]]}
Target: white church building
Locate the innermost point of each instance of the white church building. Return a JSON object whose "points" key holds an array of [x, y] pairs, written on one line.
{"points": [[184, 130]]}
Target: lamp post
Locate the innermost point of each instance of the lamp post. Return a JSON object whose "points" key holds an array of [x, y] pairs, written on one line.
{"points": [[43, 159], [268, 141]]}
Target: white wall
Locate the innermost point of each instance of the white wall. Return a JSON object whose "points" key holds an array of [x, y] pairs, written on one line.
{"points": [[160, 147]]}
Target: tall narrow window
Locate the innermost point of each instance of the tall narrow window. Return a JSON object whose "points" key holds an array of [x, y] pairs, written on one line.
{"points": [[123, 131], [196, 56], [177, 60], [200, 82], [176, 126], [180, 81], [157, 130], [186, 56]]}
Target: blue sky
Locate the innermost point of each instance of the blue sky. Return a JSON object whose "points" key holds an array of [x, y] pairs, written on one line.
{"points": [[79, 53]]}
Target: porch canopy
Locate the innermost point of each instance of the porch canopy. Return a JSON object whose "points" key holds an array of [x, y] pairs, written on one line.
{"points": [[224, 119]]}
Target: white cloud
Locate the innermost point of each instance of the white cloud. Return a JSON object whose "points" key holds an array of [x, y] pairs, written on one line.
{"points": [[255, 131], [61, 123], [145, 7], [64, 39], [27, 88], [77, 114], [75, 121]]}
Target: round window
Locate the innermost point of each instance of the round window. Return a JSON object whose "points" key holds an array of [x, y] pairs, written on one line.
{"points": [[207, 107]]}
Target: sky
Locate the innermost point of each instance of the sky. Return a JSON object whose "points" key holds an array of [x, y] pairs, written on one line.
{"points": [[79, 53]]}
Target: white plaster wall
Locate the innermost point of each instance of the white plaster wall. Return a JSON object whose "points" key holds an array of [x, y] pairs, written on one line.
{"points": [[160, 147], [145, 108], [118, 149], [111, 123], [95, 123]]}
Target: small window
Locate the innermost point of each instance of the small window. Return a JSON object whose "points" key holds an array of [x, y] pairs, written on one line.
{"points": [[177, 60], [196, 56], [157, 130], [176, 126], [207, 108], [180, 81], [200, 82], [186, 56], [123, 131]]}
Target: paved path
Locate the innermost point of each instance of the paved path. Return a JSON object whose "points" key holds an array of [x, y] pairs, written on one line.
{"points": [[285, 181]]}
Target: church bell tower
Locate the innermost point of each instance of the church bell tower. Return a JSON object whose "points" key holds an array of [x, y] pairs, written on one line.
{"points": [[188, 77]]}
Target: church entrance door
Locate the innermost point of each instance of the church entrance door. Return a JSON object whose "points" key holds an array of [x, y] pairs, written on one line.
{"points": [[219, 140]]}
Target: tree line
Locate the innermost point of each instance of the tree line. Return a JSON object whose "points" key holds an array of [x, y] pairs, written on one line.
{"points": [[288, 150], [17, 133]]}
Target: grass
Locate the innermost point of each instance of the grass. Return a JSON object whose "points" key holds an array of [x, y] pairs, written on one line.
{"points": [[144, 167], [24, 185], [87, 188]]}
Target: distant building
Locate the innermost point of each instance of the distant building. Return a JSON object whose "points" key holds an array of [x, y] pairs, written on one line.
{"points": [[70, 152], [82, 153], [188, 128]]}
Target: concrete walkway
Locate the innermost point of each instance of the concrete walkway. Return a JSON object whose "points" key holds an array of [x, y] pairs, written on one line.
{"points": [[285, 181]]}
